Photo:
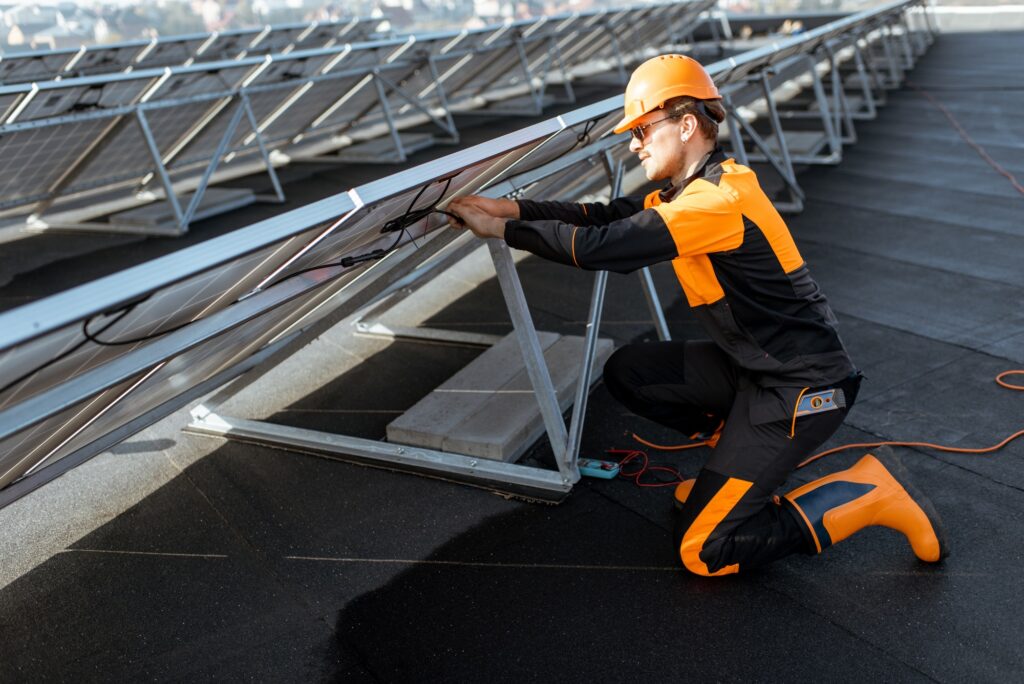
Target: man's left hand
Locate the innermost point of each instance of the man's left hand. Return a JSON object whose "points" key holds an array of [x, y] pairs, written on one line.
{"points": [[480, 223]]}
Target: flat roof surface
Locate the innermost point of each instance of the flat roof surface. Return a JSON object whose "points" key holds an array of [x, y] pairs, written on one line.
{"points": [[254, 563]]}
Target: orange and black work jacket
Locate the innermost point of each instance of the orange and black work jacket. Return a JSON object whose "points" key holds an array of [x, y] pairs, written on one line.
{"points": [[732, 253]]}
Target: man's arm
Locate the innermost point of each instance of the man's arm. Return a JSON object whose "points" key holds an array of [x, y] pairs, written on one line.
{"points": [[580, 214], [622, 246]]}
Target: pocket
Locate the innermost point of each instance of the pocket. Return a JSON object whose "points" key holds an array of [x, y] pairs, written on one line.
{"points": [[771, 404]]}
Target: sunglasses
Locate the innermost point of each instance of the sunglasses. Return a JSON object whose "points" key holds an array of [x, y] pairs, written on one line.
{"points": [[639, 133]]}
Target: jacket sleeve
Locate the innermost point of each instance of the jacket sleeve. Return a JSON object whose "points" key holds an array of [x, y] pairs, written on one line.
{"points": [[580, 214], [623, 245]]}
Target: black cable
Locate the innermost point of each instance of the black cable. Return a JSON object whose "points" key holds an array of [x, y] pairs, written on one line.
{"points": [[60, 357], [401, 224], [91, 337], [582, 139]]}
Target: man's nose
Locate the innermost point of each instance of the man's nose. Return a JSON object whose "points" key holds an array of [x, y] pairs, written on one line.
{"points": [[635, 144]]}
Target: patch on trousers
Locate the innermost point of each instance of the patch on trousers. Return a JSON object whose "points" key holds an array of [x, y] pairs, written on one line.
{"points": [[818, 402]]}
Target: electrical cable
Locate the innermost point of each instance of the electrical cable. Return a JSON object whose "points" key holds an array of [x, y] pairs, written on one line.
{"points": [[633, 454], [645, 468], [967, 138], [400, 224], [582, 139], [63, 355], [999, 379], [928, 445]]}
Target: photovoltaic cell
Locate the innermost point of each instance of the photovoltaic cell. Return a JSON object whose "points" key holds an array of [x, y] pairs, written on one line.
{"points": [[198, 295], [84, 95], [34, 159], [583, 127], [106, 59], [126, 155], [33, 66], [171, 52], [226, 45], [277, 39], [312, 103], [269, 89], [85, 391]]}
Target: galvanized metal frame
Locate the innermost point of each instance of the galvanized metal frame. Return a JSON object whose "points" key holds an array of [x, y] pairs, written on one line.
{"points": [[520, 45], [20, 326], [137, 54]]}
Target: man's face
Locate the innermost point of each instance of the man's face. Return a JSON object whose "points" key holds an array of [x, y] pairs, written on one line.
{"points": [[659, 145]]}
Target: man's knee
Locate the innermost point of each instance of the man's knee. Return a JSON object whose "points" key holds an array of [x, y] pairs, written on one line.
{"points": [[700, 556], [620, 373]]}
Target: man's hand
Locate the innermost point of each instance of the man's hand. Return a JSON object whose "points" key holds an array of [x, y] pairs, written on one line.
{"points": [[500, 208], [471, 210]]}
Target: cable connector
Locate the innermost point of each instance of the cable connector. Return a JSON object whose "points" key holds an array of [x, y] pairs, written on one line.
{"points": [[350, 261]]}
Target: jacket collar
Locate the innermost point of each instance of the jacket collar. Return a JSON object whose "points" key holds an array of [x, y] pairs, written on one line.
{"points": [[711, 163]]}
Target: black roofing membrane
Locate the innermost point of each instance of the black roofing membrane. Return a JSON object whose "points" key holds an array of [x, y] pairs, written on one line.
{"points": [[292, 568]]}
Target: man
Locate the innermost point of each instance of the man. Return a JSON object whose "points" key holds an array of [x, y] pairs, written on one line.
{"points": [[774, 380]]}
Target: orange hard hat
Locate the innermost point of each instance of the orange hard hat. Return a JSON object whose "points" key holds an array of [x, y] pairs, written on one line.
{"points": [[658, 80]]}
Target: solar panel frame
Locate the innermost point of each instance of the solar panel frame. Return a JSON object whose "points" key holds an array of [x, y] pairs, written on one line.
{"points": [[226, 45], [26, 67], [50, 439], [172, 51], [267, 89], [104, 59], [83, 420]]}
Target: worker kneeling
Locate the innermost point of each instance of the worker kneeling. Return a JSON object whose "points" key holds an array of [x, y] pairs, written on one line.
{"points": [[772, 383]]}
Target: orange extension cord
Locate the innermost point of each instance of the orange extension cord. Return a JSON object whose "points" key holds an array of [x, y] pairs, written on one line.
{"points": [[637, 455]]}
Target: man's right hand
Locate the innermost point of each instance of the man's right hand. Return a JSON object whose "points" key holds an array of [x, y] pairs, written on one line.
{"points": [[499, 208]]}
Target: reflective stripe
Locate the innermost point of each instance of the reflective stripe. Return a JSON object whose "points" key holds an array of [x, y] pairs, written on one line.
{"points": [[810, 525], [574, 247], [705, 523], [792, 428]]}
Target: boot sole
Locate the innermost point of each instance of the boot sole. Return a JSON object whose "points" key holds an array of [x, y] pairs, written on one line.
{"points": [[888, 458]]}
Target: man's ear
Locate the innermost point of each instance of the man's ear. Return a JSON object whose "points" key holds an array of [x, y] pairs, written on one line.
{"points": [[689, 127]]}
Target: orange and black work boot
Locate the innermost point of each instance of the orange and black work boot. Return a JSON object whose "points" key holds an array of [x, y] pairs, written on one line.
{"points": [[875, 491], [683, 492]]}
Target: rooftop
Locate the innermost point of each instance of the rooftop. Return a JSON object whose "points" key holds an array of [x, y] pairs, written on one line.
{"points": [[246, 562]]}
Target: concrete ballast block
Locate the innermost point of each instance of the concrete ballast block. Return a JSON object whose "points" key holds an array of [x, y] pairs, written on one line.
{"points": [[488, 409]]}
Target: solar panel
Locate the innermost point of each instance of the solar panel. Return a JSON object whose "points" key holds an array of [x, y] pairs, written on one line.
{"points": [[172, 51], [268, 88], [226, 45], [105, 59], [582, 127], [137, 306], [74, 96], [63, 396], [33, 66], [158, 295]]}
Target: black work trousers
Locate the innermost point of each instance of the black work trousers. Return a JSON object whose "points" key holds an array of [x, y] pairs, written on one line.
{"points": [[730, 520]]}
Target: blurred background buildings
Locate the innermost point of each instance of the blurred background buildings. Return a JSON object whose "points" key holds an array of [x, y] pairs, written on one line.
{"points": [[33, 25]]}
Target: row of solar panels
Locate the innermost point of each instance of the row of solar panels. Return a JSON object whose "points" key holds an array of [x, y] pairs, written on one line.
{"points": [[81, 370], [158, 128], [45, 65]]}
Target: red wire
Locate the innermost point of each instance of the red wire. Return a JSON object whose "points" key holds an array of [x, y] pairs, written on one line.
{"points": [[645, 467], [967, 138]]}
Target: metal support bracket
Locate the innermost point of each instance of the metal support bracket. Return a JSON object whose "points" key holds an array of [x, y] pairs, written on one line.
{"points": [[447, 124], [784, 167]]}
